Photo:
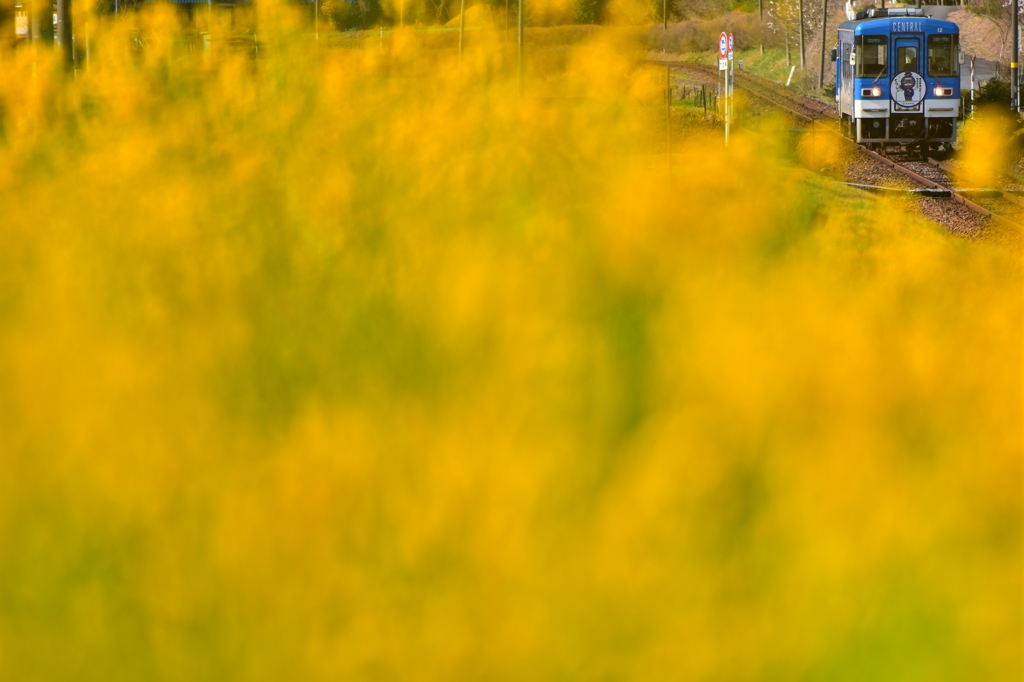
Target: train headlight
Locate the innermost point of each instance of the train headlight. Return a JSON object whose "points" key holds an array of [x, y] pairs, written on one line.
{"points": [[876, 92], [943, 92]]}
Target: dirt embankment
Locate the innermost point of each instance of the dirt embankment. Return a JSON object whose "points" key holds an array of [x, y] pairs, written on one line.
{"points": [[982, 37]]}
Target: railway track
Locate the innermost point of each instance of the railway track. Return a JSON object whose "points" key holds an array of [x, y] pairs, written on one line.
{"points": [[1013, 187], [998, 204], [1001, 206], [994, 204], [797, 105]]}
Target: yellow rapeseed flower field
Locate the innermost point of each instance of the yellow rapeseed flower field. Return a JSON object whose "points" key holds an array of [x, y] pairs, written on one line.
{"points": [[353, 364]]}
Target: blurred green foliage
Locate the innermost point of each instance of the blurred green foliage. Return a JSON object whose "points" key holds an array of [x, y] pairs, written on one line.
{"points": [[353, 364]]}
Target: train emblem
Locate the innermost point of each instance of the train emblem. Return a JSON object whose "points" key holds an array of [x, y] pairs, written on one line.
{"points": [[907, 89]]}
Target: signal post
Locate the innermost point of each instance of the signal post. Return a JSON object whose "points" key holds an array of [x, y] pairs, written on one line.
{"points": [[731, 73], [1015, 58], [724, 53], [726, 79]]}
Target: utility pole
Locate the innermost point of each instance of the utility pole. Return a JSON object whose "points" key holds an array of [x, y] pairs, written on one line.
{"points": [[1014, 56], [824, 34], [668, 117], [802, 61], [664, 12], [520, 50], [462, 27], [760, 16], [64, 32], [41, 21]]}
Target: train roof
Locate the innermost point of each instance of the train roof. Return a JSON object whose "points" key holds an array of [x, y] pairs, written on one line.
{"points": [[885, 21]]}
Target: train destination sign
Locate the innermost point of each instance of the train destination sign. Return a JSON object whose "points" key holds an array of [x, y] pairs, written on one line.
{"points": [[723, 44]]}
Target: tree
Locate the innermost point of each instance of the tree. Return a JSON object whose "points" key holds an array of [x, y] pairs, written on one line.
{"points": [[996, 91], [998, 12], [784, 18], [588, 11], [347, 14]]}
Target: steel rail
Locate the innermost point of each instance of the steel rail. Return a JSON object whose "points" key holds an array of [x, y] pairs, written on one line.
{"points": [[1009, 196], [953, 194], [759, 91], [706, 68], [956, 196]]}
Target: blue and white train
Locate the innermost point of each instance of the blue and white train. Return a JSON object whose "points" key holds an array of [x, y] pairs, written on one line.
{"points": [[898, 79]]}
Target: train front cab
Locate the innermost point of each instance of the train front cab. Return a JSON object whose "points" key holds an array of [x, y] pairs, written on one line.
{"points": [[898, 81]]}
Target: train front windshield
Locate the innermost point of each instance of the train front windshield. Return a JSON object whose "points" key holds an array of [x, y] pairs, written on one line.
{"points": [[871, 56], [943, 56]]}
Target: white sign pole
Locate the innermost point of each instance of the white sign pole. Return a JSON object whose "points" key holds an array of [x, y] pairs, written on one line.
{"points": [[723, 80], [972, 85], [732, 80]]}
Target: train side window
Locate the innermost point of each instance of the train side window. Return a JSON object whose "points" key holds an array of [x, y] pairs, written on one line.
{"points": [[943, 58], [906, 59], [871, 57]]}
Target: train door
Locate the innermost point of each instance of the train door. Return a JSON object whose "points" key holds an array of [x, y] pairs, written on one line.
{"points": [[846, 77], [908, 54], [907, 87]]}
